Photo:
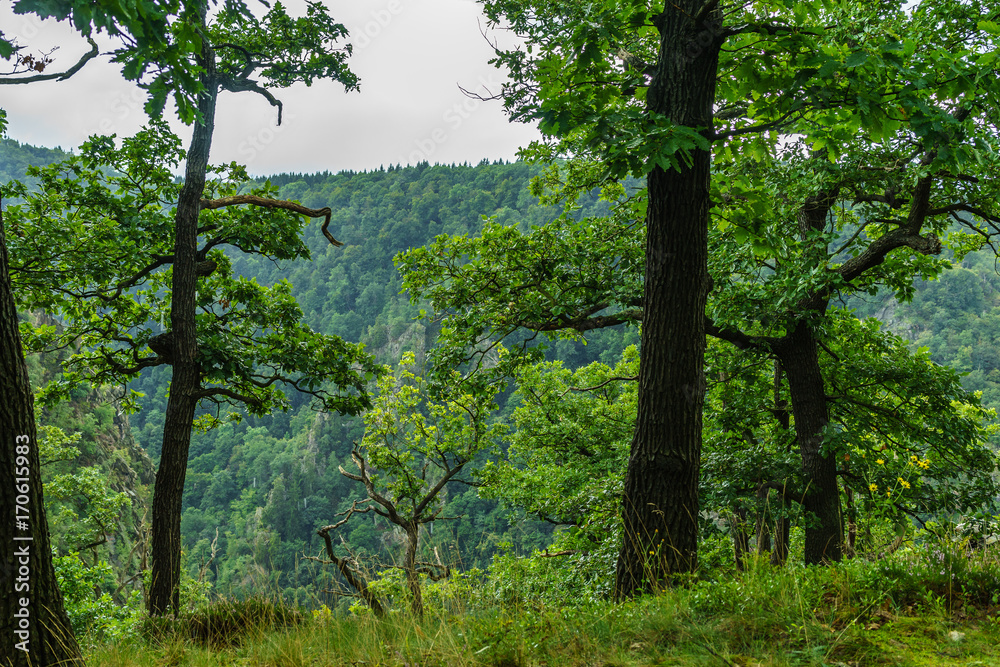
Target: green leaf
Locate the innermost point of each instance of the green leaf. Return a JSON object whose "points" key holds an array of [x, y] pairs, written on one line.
{"points": [[856, 59]]}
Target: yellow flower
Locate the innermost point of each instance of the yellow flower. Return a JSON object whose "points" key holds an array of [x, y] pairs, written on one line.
{"points": [[903, 483], [873, 487], [881, 462], [888, 494], [925, 464]]}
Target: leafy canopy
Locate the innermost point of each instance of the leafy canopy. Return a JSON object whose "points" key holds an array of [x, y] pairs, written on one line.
{"points": [[93, 246]]}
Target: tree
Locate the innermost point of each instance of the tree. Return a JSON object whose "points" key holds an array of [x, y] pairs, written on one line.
{"points": [[111, 280], [36, 628], [564, 463], [417, 442], [172, 48], [649, 92]]}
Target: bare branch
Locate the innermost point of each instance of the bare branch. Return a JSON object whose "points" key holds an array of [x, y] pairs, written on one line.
{"points": [[59, 76], [246, 85], [353, 576], [264, 202]]}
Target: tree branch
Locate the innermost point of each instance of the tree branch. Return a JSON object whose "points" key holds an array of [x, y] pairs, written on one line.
{"points": [[584, 322], [741, 340], [254, 200], [353, 577], [247, 85], [59, 76]]}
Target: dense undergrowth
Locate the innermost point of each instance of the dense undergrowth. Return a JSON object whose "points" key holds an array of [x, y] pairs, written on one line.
{"points": [[932, 604]]}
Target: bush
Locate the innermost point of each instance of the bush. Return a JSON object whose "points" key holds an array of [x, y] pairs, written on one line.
{"points": [[943, 568], [96, 617]]}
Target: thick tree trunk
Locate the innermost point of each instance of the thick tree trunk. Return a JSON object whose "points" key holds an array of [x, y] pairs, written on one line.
{"points": [[168, 494], [782, 524], [821, 500], [660, 507], [34, 627]]}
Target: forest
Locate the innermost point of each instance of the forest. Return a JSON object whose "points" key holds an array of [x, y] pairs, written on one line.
{"points": [[710, 374]]}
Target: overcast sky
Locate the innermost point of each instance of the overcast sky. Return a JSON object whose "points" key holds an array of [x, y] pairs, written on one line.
{"points": [[411, 56]]}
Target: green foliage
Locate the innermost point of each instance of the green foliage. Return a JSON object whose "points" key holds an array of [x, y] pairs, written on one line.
{"points": [[772, 617], [15, 158], [459, 593], [941, 568], [97, 617], [111, 281], [410, 428]]}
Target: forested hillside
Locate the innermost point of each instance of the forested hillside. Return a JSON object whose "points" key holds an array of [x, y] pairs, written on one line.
{"points": [[15, 158], [259, 488], [710, 374]]}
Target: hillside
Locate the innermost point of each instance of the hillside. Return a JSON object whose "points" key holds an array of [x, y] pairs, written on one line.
{"points": [[267, 484], [257, 490]]}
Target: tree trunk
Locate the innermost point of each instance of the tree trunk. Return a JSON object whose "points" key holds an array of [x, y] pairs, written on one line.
{"points": [[660, 507], [852, 525], [821, 499], [185, 382], [763, 526], [741, 538], [782, 528], [410, 565], [782, 524], [34, 627]]}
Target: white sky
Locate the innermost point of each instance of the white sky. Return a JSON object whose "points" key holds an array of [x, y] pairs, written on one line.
{"points": [[411, 56]]}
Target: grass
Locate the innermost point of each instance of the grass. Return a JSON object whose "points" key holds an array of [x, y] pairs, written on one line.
{"points": [[851, 615]]}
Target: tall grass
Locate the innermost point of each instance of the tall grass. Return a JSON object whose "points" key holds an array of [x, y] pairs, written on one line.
{"points": [[915, 607]]}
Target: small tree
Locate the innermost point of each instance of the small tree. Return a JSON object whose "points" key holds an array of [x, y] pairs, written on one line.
{"points": [[419, 438]]}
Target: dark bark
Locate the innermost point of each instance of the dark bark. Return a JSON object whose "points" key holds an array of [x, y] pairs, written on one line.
{"points": [[782, 523], [185, 383], [798, 353], [821, 499], [852, 525], [26, 570], [660, 508]]}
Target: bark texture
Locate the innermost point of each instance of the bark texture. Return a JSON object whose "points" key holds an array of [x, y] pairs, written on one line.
{"points": [[185, 383], [821, 498], [660, 508], [26, 570], [410, 566]]}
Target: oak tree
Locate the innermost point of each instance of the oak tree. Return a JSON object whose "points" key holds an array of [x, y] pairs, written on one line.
{"points": [[655, 92]]}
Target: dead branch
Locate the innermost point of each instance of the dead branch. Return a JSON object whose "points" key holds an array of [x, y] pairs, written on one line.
{"points": [[214, 547], [353, 576], [59, 76]]}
